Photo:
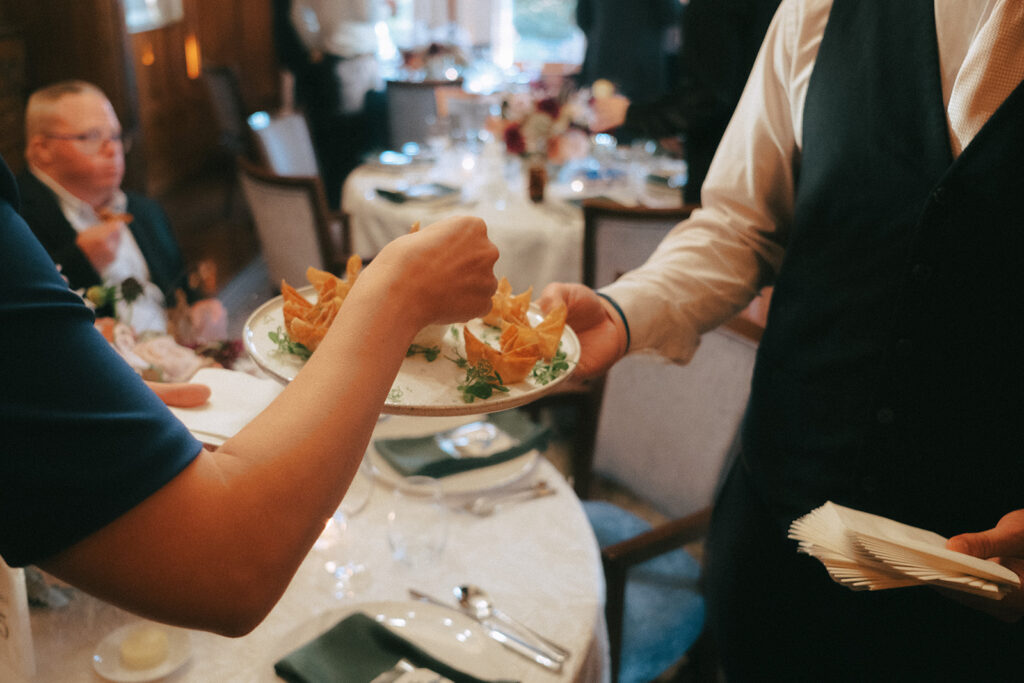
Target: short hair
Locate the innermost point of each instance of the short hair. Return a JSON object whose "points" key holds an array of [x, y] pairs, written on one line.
{"points": [[39, 112]]}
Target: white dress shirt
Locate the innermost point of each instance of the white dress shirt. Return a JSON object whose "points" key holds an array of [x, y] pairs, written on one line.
{"points": [[345, 28], [147, 312], [711, 265]]}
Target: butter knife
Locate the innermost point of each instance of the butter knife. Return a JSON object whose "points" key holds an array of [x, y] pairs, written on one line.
{"points": [[508, 640]]}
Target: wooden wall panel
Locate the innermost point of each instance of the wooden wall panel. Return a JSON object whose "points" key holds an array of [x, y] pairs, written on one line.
{"points": [[82, 39], [144, 74]]}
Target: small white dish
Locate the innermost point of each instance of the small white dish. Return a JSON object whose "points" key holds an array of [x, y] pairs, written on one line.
{"points": [[107, 657]]}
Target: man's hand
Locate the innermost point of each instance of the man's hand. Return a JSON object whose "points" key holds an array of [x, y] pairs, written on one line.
{"points": [[181, 394], [209, 321], [100, 242], [1005, 545], [609, 112], [600, 329]]}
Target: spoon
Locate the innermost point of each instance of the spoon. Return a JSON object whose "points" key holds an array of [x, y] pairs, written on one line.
{"points": [[486, 505], [476, 600]]}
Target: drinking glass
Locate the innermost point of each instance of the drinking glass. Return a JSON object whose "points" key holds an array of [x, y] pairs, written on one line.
{"points": [[350, 575], [417, 521]]}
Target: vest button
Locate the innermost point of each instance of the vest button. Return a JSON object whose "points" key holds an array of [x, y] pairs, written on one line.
{"points": [[885, 416], [940, 195], [921, 272]]}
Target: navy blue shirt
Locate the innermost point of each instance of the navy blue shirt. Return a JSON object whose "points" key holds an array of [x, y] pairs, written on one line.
{"points": [[82, 438]]}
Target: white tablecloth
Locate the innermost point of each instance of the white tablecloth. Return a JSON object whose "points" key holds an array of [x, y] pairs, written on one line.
{"points": [[539, 243], [539, 561]]}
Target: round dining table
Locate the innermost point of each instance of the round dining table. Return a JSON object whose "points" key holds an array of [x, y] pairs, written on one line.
{"points": [[538, 242], [538, 559]]}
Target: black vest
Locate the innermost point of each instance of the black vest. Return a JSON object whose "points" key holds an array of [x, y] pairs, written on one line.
{"points": [[890, 375]]}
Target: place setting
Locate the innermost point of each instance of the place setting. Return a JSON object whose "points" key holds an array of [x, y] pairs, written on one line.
{"points": [[460, 637]]}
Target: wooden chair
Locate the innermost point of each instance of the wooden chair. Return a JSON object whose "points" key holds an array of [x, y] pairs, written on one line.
{"points": [[229, 111], [665, 433], [295, 228]]}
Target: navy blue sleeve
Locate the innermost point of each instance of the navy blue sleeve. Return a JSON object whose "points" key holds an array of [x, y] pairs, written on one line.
{"points": [[83, 438]]}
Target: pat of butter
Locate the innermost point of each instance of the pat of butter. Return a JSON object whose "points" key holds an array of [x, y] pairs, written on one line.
{"points": [[144, 648]]}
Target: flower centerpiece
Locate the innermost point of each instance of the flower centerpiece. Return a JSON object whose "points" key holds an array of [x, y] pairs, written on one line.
{"points": [[545, 127], [553, 126]]}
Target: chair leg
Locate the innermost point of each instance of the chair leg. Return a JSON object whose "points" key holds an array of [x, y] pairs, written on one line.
{"points": [[615, 606]]}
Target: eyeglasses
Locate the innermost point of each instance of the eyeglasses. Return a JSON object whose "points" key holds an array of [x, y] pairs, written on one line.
{"points": [[91, 142]]}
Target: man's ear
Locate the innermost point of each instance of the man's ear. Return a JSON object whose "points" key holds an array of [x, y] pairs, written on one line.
{"points": [[38, 151]]}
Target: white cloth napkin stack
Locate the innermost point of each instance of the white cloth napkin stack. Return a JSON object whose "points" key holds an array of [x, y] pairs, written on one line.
{"points": [[235, 399], [867, 552]]}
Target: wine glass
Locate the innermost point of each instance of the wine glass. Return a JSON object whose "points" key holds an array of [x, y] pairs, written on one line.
{"points": [[350, 575], [417, 521]]}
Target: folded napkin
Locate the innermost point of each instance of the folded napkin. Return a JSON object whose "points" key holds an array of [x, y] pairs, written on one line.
{"points": [[428, 192], [424, 455], [235, 399], [356, 650], [867, 552]]}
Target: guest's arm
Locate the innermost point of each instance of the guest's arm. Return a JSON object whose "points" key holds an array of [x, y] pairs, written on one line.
{"points": [[216, 546]]}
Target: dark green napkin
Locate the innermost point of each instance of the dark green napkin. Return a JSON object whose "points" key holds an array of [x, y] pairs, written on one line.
{"points": [[426, 192], [423, 456], [357, 650]]}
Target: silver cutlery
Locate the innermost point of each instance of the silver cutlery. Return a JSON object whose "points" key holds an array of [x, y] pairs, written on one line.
{"points": [[484, 506], [405, 672], [508, 640], [477, 601], [401, 667]]}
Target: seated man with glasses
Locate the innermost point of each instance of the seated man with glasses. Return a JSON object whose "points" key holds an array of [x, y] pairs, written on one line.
{"points": [[97, 233]]}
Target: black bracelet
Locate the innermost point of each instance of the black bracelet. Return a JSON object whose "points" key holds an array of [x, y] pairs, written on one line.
{"points": [[618, 309]]}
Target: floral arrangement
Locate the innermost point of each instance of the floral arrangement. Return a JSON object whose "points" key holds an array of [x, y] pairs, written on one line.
{"points": [[108, 294], [553, 126]]}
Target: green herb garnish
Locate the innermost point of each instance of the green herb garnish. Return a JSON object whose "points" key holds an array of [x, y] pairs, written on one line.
{"points": [[481, 381], [545, 373], [429, 352], [286, 345]]}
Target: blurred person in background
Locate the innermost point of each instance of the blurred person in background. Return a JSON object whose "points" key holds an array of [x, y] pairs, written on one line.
{"points": [[99, 234], [720, 42], [627, 44], [338, 80]]}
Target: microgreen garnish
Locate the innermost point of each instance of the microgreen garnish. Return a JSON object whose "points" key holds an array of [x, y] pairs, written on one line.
{"points": [[429, 352], [286, 345], [545, 373], [481, 381]]}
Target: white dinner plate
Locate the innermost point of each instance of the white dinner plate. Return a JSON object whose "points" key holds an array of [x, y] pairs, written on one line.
{"points": [[107, 657], [446, 634], [422, 387]]}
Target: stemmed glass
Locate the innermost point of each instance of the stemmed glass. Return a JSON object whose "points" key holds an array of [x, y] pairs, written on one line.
{"points": [[350, 576], [417, 522]]}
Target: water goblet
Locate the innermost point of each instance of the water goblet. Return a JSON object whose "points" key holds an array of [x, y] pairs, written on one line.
{"points": [[417, 521], [350, 576]]}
